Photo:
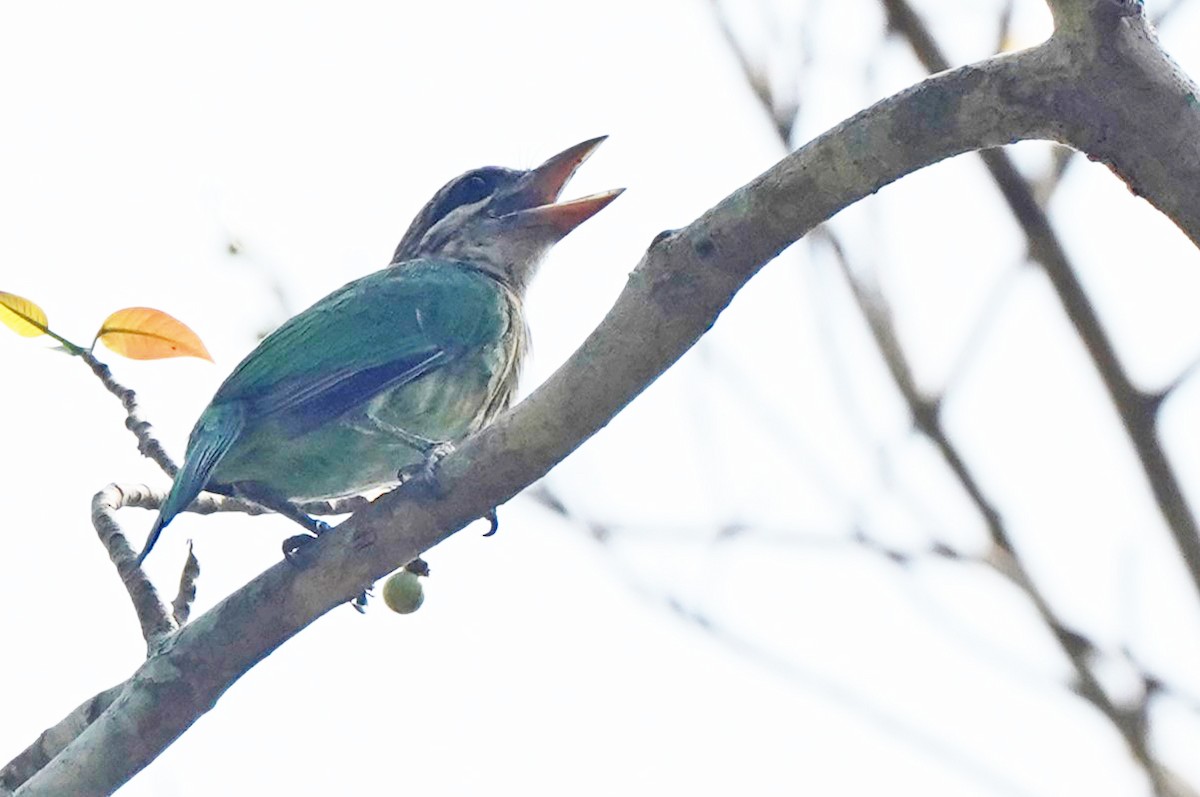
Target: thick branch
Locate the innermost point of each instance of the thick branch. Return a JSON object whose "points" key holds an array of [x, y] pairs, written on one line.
{"points": [[53, 740], [671, 299], [1131, 405], [1134, 161], [1131, 107]]}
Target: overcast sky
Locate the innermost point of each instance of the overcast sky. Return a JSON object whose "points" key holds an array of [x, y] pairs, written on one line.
{"points": [[142, 140]]}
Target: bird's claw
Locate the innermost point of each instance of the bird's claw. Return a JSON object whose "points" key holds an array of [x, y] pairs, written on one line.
{"points": [[360, 601], [426, 471], [491, 518], [293, 546], [407, 473], [293, 552]]}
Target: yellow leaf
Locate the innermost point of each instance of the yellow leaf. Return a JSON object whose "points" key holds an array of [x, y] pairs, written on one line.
{"points": [[141, 333], [22, 316]]}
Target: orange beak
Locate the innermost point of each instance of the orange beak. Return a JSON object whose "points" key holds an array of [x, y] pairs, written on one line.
{"points": [[544, 184]]}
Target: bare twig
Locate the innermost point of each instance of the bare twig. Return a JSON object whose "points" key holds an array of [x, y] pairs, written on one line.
{"points": [[1136, 410], [1131, 405], [151, 613], [926, 411], [1003, 557], [781, 113], [672, 297], [826, 686], [181, 607], [148, 444]]}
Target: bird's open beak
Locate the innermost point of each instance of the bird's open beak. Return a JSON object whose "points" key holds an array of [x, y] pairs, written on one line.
{"points": [[543, 185]]}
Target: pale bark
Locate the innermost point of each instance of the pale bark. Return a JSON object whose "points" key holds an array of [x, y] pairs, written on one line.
{"points": [[1102, 85]]}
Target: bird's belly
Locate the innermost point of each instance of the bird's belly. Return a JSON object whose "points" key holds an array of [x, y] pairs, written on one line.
{"points": [[366, 447]]}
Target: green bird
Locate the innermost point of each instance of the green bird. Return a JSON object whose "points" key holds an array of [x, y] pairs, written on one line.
{"points": [[373, 379]]}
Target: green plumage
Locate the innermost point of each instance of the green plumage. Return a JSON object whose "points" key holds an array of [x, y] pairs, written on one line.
{"points": [[431, 349], [341, 397], [370, 379]]}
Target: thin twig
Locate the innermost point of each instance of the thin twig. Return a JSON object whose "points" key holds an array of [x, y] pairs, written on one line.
{"points": [[152, 615], [1133, 407], [148, 444], [1136, 410], [926, 417], [181, 607], [825, 685], [782, 115], [671, 299], [926, 411]]}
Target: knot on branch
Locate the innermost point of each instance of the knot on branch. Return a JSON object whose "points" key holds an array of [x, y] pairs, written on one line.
{"points": [[1091, 18]]}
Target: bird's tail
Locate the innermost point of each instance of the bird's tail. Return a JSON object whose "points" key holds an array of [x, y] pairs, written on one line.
{"points": [[216, 431], [175, 503]]}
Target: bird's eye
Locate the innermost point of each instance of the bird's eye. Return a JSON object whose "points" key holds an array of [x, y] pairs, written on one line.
{"points": [[471, 190], [477, 188]]}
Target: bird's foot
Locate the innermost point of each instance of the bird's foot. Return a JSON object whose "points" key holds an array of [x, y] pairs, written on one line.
{"points": [[294, 546], [425, 473], [491, 518], [360, 602], [294, 552]]}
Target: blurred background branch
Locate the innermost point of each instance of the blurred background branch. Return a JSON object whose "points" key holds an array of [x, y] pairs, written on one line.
{"points": [[885, 512]]}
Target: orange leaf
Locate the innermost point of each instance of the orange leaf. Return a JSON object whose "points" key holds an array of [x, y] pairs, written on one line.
{"points": [[22, 316], [141, 333]]}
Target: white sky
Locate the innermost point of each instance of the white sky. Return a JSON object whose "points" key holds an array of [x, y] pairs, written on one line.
{"points": [[139, 139]]}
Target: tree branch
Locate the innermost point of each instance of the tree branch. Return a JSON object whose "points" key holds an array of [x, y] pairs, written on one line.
{"points": [[148, 444], [1003, 556], [152, 615], [1147, 70], [674, 295], [53, 740]]}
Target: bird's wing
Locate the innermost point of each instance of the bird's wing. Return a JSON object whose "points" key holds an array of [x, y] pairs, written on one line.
{"points": [[215, 432], [305, 405], [384, 330]]}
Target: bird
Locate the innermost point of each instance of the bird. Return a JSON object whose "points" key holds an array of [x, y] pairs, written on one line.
{"points": [[378, 377]]}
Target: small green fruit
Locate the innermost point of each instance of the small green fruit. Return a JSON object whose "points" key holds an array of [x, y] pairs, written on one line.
{"points": [[403, 592]]}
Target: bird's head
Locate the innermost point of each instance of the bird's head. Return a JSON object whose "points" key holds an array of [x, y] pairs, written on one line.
{"points": [[503, 220]]}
